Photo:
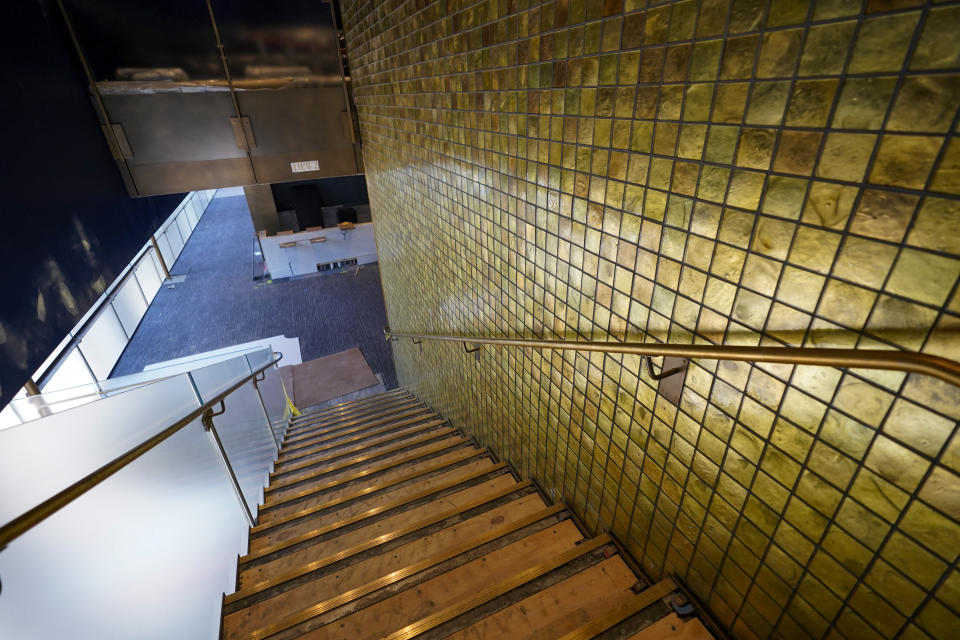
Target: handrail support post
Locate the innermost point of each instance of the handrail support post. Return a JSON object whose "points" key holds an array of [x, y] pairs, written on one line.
{"points": [[207, 420], [266, 414]]}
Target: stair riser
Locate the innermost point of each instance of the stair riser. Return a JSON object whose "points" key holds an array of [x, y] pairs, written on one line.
{"points": [[339, 434], [293, 453], [282, 472], [318, 435], [335, 531], [421, 524], [465, 620], [515, 595], [374, 489], [367, 413], [363, 478], [439, 567], [352, 405], [315, 477]]}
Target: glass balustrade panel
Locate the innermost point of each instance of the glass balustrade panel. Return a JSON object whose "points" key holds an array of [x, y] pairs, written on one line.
{"points": [[146, 554]]}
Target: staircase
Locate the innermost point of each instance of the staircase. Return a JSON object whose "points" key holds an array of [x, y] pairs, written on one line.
{"points": [[383, 521]]}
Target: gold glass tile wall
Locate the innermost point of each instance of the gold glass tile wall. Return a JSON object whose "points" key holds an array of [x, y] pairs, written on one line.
{"points": [[781, 172]]}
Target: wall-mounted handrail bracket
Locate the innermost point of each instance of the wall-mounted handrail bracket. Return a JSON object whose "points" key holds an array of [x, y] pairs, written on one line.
{"points": [[475, 350], [210, 414], [418, 342], [664, 371]]}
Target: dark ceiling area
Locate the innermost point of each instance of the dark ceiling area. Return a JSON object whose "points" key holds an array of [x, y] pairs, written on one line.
{"points": [[69, 226], [201, 95]]}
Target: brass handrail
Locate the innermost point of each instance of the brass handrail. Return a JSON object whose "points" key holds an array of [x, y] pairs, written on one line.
{"points": [[34, 516], [909, 361]]}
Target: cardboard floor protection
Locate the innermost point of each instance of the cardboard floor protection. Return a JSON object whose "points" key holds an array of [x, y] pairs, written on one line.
{"points": [[329, 377]]}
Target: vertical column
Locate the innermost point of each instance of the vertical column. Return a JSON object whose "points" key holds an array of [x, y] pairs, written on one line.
{"points": [[263, 209]]}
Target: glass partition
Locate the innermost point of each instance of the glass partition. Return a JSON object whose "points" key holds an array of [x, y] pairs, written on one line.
{"points": [[148, 276], [103, 342], [175, 240], [42, 457], [272, 392], [71, 372], [129, 304], [216, 378], [243, 428], [246, 438], [183, 224], [146, 554], [166, 250], [160, 535], [259, 358], [50, 402]]}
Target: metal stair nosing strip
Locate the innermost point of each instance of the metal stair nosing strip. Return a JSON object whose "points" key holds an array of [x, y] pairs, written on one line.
{"points": [[322, 444], [349, 451], [354, 416], [369, 421], [353, 413], [328, 454], [376, 434], [429, 451], [299, 439], [397, 404], [401, 574], [341, 434], [366, 491], [343, 407], [496, 590], [352, 462], [617, 615], [360, 517], [377, 541]]}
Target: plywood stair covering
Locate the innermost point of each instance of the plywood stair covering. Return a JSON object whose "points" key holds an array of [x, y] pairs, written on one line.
{"points": [[383, 521]]}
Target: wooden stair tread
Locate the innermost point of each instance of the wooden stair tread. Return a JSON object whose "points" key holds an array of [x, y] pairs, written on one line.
{"points": [[361, 404], [325, 518], [399, 456], [328, 586], [380, 432], [387, 616], [341, 435], [350, 414], [313, 457], [323, 468], [294, 559], [352, 476], [409, 469], [326, 431], [559, 608], [346, 406]]}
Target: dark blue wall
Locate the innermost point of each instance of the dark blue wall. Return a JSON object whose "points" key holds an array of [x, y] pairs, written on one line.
{"points": [[67, 226]]}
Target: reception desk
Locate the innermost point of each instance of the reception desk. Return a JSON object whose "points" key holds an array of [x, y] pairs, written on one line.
{"points": [[297, 254]]}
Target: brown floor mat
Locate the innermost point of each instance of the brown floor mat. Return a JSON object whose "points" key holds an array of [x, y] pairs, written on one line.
{"points": [[329, 377]]}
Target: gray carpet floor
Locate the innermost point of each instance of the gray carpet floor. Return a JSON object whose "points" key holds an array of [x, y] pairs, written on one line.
{"points": [[219, 304]]}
